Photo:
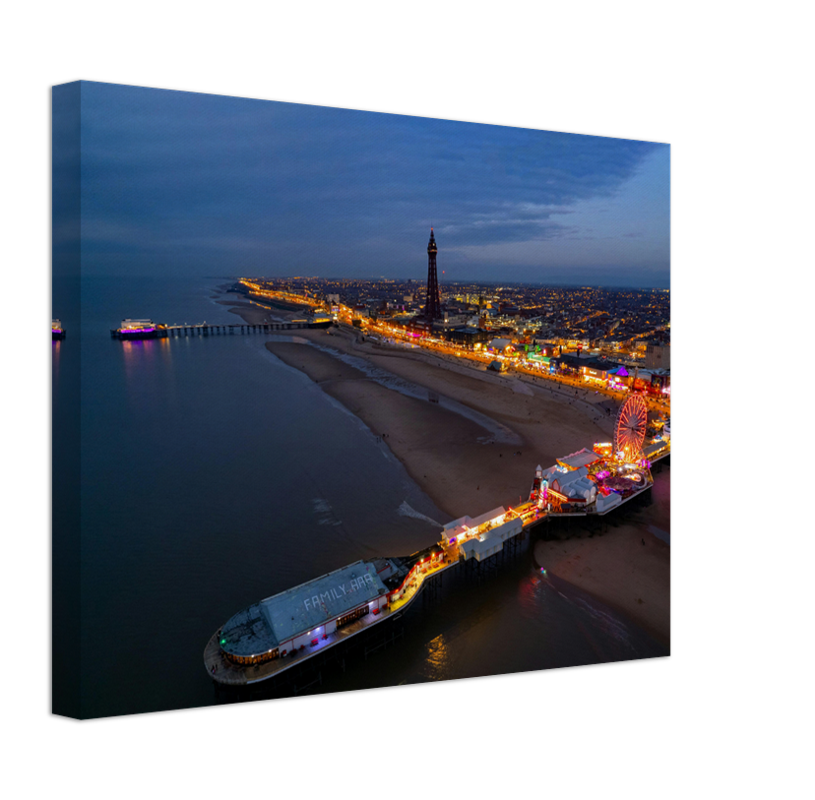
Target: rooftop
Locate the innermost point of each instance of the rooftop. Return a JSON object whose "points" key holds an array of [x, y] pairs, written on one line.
{"points": [[264, 625], [581, 458]]}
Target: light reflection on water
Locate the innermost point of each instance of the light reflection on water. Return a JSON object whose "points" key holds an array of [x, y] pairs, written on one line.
{"points": [[438, 658]]}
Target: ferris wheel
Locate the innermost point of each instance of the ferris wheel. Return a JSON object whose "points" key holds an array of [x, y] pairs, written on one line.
{"points": [[629, 429]]}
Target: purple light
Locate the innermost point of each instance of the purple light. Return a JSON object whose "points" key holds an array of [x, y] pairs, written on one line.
{"points": [[135, 330]]}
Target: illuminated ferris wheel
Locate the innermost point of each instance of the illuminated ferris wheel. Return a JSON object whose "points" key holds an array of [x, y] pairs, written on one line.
{"points": [[629, 429]]}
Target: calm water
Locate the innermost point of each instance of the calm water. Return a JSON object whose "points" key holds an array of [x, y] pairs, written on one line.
{"points": [[212, 475]]}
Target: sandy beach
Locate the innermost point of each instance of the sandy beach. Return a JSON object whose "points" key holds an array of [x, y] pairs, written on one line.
{"points": [[467, 464]]}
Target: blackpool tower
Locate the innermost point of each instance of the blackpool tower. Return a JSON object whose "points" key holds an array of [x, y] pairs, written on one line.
{"points": [[432, 308]]}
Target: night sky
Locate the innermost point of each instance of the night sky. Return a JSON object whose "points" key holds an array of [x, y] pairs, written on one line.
{"points": [[175, 183]]}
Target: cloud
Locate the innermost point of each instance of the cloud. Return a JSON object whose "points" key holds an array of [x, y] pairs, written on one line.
{"points": [[214, 176]]}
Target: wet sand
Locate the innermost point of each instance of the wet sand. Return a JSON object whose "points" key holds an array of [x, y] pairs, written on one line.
{"points": [[619, 569], [451, 457], [454, 462], [248, 312]]}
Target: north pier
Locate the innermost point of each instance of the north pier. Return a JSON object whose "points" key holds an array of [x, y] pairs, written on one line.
{"points": [[158, 331]]}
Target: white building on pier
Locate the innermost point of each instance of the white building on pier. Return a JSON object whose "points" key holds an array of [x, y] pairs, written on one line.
{"points": [[485, 535]]}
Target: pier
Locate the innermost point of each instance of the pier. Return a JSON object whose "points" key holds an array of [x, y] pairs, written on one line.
{"points": [[292, 627], [205, 329], [424, 579], [303, 667], [473, 549], [458, 554]]}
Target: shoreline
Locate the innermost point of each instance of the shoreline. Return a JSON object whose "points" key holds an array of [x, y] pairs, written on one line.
{"points": [[615, 567], [453, 461]]}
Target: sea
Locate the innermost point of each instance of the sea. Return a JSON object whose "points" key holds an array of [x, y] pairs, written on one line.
{"points": [[212, 475]]}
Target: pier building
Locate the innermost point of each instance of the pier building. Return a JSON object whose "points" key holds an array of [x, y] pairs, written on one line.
{"points": [[137, 329], [299, 617], [483, 536]]}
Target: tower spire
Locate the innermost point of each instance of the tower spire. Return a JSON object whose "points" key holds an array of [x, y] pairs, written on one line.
{"points": [[432, 308]]}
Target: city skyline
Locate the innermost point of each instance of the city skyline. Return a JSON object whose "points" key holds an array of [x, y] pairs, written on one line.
{"points": [[191, 184]]}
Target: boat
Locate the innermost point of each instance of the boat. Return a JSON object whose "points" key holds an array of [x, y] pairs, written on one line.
{"points": [[57, 331]]}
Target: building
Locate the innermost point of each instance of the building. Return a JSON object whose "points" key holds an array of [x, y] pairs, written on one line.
{"points": [[560, 480], [619, 377], [468, 336], [607, 502], [580, 490], [485, 535], [582, 458], [595, 374], [657, 356], [501, 346], [661, 381], [297, 617], [137, 324]]}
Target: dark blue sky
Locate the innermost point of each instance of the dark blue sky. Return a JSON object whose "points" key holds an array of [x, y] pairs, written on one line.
{"points": [[201, 185]]}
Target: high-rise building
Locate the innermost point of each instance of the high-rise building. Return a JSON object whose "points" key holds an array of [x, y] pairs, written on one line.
{"points": [[432, 308]]}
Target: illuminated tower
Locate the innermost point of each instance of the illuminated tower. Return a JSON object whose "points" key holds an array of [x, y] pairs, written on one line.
{"points": [[432, 308]]}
